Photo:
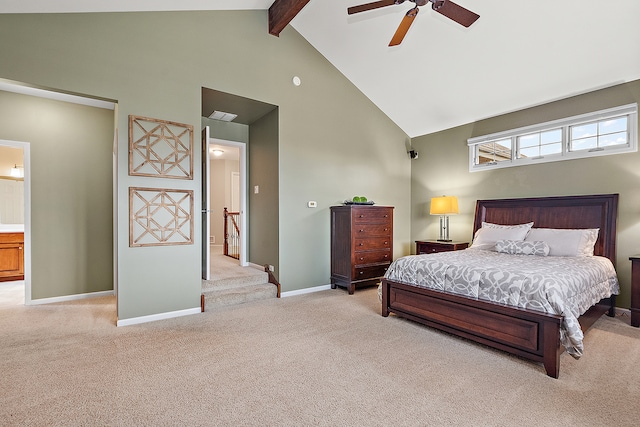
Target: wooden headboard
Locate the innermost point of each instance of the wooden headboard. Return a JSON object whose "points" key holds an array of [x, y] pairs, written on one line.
{"points": [[596, 211]]}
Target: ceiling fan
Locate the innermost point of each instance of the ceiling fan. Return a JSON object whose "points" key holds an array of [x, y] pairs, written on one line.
{"points": [[445, 7]]}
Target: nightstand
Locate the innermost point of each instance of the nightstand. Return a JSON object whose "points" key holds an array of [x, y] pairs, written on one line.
{"points": [[635, 290], [433, 246]]}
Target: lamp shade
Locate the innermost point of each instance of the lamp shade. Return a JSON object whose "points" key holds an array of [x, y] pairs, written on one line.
{"points": [[445, 205]]}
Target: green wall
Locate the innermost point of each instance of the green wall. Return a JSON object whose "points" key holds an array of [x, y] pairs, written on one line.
{"points": [[264, 212], [333, 142], [443, 168], [71, 192]]}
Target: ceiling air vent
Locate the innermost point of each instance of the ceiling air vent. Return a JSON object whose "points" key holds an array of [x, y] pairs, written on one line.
{"points": [[221, 115]]}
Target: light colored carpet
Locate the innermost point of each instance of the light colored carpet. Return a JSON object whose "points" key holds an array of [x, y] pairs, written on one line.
{"points": [[321, 359], [231, 284]]}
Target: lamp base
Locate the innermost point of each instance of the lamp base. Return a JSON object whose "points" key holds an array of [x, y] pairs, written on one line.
{"points": [[444, 240]]}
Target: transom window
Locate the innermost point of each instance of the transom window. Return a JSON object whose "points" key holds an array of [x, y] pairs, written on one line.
{"points": [[603, 132]]}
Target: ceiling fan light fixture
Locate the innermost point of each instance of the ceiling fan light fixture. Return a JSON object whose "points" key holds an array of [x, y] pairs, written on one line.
{"points": [[447, 8]]}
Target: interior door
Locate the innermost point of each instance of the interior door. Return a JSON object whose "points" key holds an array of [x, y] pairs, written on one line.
{"points": [[206, 206]]}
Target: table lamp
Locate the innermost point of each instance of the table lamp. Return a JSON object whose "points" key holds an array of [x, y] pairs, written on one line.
{"points": [[444, 206]]}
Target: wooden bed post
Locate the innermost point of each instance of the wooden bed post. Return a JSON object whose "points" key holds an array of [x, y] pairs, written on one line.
{"points": [[552, 349], [385, 298]]}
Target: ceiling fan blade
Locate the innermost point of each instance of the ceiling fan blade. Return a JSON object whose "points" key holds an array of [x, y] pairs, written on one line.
{"points": [[370, 6], [456, 12], [404, 26]]}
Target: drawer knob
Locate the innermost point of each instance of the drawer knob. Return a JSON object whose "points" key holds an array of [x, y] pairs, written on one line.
{"points": [[360, 230], [386, 243], [361, 272], [361, 244]]}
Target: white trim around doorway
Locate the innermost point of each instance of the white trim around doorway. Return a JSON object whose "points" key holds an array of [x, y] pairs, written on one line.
{"points": [[244, 212], [26, 159]]}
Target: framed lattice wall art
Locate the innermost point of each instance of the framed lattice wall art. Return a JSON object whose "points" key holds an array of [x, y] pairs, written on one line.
{"points": [[160, 217], [160, 148]]}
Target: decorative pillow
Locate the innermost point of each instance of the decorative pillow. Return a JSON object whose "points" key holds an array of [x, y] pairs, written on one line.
{"points": [[514, 247], [487, 236], [566, 242]]}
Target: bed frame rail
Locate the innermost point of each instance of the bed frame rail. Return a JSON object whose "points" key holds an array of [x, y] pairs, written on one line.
{"points": [[530, 334]]}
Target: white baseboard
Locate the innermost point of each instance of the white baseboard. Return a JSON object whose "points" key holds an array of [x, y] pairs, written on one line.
{"points": [[159, 316], [70, 298], [257, 266], [305, 291]]}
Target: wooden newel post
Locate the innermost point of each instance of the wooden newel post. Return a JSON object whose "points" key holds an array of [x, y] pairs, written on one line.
{"points": [[226, 232]]}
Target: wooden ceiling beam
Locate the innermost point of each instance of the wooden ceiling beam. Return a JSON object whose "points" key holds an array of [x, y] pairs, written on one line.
{"points": [[282, 12]]}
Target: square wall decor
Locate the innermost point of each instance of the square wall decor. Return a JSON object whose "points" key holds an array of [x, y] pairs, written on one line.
{"points": [[160, 217], [160, 148]]}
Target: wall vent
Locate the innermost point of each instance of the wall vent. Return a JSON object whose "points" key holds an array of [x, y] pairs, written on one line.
{"points": [[221, 115]]}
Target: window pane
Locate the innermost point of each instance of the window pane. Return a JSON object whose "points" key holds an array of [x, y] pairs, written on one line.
{"points": [[614, 125], [584, 131], [551, 136], [584, 144], [526, 141], [529, 152], [494, 151], [547, 150], [619, 138]]}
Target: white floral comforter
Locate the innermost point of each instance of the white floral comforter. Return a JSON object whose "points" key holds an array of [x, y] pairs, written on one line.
{"points": [[560, 285]]}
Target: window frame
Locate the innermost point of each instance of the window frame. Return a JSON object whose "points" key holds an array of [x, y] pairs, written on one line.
{"points": [[565, 124]]}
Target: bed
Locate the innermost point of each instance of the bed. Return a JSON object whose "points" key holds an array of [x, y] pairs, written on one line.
{"points": [[525, 332]]}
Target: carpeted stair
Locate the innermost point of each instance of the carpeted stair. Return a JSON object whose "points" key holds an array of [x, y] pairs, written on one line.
{"points": [[237, 289]]}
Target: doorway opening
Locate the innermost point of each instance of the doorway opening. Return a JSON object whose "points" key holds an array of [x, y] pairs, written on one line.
{"points": [[226, 187], [57, 232], [230, 120]]}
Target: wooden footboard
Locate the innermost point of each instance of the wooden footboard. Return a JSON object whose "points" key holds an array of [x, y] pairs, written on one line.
{"points": [[526, 333]]}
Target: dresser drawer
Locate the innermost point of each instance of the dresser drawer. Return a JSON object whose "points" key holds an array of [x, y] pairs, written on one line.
{"points": [[372, 257], [367, 215], [362, 273], [431, 247], [371, 243], [373, 230]]}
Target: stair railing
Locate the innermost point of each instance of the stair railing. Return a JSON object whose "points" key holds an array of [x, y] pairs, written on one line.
{"points": [[231, 234]]}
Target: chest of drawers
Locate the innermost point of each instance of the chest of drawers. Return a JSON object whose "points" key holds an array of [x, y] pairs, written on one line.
{"points": [[361, 245]]}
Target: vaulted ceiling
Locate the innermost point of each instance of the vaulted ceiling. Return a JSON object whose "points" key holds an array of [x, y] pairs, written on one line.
{"points": [[516, 55]]}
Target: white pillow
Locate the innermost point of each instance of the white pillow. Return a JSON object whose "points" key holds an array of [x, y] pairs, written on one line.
{"points": [[487, 236], [566, 242]]}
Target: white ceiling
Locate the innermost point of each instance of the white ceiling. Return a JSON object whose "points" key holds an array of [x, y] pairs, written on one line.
{"points": [[517, 55]]}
